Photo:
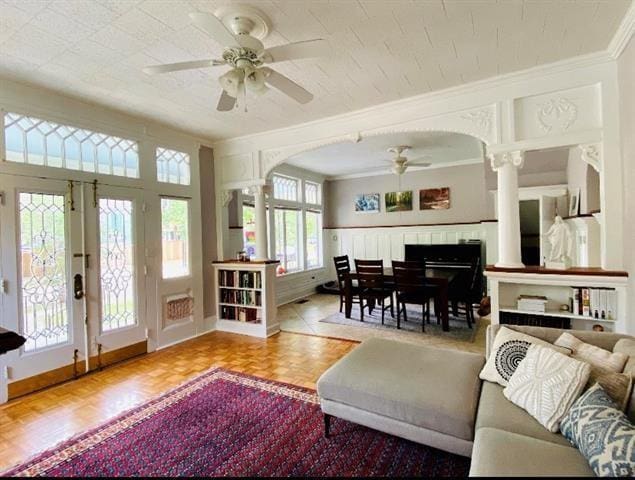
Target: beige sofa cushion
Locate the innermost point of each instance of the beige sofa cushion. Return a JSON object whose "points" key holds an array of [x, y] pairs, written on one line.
{"points": [[627, 346], [495, 411], [427, 387], [498, 453]]}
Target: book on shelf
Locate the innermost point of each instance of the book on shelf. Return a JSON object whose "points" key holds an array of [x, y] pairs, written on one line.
{"points": [[598, 303], [240, 314], [242, 297], [240, 279], [532, 303]]}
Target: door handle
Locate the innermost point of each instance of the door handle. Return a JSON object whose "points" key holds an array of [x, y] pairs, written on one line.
{"points": [[78, 287]]}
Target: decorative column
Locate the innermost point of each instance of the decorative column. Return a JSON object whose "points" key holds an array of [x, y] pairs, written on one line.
{"points": [[506, 166], [261, 221], [222, 223]]}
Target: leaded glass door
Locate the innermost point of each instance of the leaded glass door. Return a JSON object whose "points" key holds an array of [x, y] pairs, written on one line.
{"points": [[115, 244], [43, 272]]}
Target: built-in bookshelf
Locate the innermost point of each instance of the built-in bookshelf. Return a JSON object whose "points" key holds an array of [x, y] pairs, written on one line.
{"points": [[246, 301], [594, 298]]}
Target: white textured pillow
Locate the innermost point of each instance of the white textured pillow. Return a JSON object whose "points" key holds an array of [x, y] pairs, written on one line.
{"points": [[546, 383], [508, 350], [601, 360]]}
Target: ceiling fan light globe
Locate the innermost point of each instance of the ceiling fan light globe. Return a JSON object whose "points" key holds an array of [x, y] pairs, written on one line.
{"points": [[230, 82]]}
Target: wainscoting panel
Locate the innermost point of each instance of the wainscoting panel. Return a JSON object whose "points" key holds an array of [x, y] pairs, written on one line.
{"points": [[388, 243]]}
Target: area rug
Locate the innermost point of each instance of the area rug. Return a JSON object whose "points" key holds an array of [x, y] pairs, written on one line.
{"points": [[224, 423], [458, 326]]}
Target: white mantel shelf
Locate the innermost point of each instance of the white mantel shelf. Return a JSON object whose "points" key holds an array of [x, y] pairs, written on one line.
{"points": [[505, 284]]}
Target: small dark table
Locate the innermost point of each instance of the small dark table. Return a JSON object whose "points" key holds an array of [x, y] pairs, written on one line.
{"points": [[10, 340], [436, 276]]}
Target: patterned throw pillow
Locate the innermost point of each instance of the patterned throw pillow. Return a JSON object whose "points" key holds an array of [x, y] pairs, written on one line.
{"points": [[546, 383], [500, 366], [603, 434]]}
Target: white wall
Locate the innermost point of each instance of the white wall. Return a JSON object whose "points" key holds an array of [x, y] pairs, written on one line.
{"points": [[467, 197], [626, 80]]}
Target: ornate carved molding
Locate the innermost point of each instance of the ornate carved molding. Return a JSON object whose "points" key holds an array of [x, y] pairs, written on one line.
{"points": [[481, 119], [591, 155], [556, 112], [271, 158], [226, 197], [515, 158], [260, 189]]}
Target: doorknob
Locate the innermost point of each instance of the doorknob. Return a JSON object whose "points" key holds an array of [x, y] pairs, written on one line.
{"points": [[78, 287]]}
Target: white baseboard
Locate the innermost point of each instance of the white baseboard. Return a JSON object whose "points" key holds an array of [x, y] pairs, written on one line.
{"points": [[208, 321]]}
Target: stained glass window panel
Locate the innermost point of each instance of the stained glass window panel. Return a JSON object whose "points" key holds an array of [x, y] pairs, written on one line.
{"points": [[173, 166], [45, 318], [117, 269]]}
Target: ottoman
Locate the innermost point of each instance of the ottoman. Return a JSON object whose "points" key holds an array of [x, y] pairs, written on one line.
{"points": [[424, 394]]}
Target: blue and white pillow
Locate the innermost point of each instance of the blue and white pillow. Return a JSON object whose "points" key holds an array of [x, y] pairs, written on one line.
{"points": [[597, 427]]}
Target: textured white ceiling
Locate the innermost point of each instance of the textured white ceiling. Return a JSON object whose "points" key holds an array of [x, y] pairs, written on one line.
{"points": [[383, 50], [370, 155]]}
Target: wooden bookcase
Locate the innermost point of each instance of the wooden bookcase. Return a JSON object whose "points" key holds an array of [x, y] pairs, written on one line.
{"points": [[246, 297]]}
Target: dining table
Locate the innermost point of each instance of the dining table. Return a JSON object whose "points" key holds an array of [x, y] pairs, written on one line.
{"points": [[439, 277]]}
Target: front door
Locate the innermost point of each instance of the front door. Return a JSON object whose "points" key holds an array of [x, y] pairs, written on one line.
{"points": [[72, 269]]}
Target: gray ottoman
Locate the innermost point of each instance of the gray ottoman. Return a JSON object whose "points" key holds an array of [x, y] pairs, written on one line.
{"points": [[424, 394]]}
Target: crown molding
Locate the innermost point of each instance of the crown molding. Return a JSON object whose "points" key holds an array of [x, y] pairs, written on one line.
{"points": [[490, 83], [385, 172], [623, 34]]}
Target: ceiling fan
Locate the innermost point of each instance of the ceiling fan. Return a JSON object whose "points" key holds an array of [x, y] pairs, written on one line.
{"points": [[240, 28], [401, 163]]}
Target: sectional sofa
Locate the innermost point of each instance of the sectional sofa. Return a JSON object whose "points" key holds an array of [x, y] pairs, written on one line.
{"points": [[434, 396]]}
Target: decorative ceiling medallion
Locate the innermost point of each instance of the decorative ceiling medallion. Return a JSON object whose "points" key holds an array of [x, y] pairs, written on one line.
{"points": [[556, 112], [481, 119]]}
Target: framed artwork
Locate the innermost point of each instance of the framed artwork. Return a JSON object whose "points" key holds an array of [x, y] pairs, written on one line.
{"points": [[434, 198], [399, 201], [574, 202], [367, 203]]}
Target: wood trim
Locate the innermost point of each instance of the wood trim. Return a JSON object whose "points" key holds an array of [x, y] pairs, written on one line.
{"points": [[581, 215], [250, 262], [65, 373], [583, 271], [43, 380], [235, 227], [118, 355], [411, 225]]}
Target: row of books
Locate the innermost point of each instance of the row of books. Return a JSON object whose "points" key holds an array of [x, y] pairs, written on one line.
{"points": [[240, 314], [235, 278], [600, 303], [243, 297]]}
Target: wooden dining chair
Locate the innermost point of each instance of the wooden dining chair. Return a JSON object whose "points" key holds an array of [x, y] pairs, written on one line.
{"points": [[373, 287], [411, 288], [466, 291], [342, 269]]}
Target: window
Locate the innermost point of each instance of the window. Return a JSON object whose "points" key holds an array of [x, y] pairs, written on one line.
{"points": [[287, 231], [249, 229], [173, 166], [39, 142], [313, 239], [312, 193], [175, 237], [285, 188]]}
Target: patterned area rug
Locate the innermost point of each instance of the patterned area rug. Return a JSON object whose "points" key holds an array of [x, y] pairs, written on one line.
{"points": [[228, 424], [458, 326]]}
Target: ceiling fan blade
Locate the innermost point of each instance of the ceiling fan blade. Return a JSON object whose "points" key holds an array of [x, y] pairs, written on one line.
{"points": [[226, 102], [293, 51], [175, 67], [216, 29], [286, 86]]}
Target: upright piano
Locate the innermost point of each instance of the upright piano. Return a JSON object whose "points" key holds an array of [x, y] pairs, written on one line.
{"points": [[460, 256]]}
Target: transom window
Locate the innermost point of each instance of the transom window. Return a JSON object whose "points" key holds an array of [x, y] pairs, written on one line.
{"points": [[173, 166], [285, 188], [39, 142], [312, 193]]}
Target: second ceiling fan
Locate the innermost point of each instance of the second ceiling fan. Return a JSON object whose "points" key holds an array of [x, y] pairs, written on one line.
{"points": [[239, 28]]}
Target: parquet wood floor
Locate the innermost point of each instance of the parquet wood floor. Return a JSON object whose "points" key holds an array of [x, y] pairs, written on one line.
{"points": [[39, 421]]}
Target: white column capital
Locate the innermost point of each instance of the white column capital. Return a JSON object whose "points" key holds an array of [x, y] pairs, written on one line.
{"points": [[590, 153], [515, 158], [260, 189], [226, 197]]}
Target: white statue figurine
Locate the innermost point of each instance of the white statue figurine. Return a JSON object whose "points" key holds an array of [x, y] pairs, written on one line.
{"points": [[561, 240]]}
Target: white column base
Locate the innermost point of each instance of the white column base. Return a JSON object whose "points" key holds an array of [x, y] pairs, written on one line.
{"points": [[510, 265]]}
